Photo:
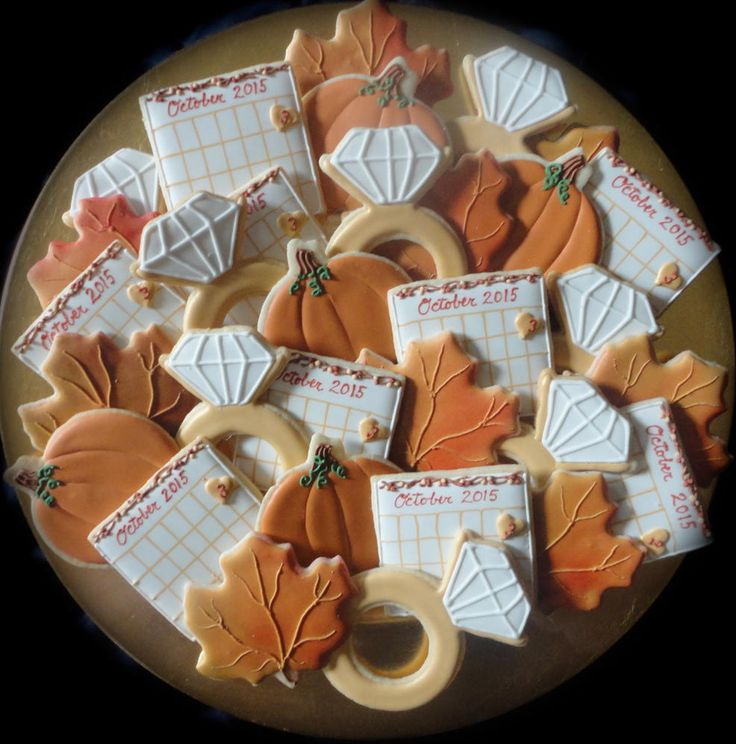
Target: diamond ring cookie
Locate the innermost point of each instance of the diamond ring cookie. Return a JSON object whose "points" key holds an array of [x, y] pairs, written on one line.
{"points": [[659, 534]]}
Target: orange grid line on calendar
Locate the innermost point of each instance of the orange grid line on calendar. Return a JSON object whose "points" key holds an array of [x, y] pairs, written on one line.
{"points": [[258, 459], [264, 238], [425, 542], [220, 149], [492, 338], [184, 546], [115, 313], [631, 250]]}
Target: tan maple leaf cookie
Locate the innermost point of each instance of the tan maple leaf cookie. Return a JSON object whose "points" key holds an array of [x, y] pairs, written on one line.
{"points": [[269, 615], [99, 221], [579, 558], [367, 38], [446, 422], [628, 372], [591, 139], [91, 372]]}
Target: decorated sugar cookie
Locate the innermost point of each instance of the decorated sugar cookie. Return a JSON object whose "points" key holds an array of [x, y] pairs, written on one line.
{"points": [[173, 529], [228, 369], [446, 420], [105, 297], [323, 507], [576, 428], [418, 516], [658, 503], [194, 246], [501, 320], [596, 308], [89, 466], [366, 39], [481, 595], [216, 134], [346, 102], [99, 222], [334, 308], [556, 226], [130, 173], [514, 97], [388, 171], [628, 372], [591, 140], [357, 404], [648, 240], [92, 372], [579, 558], [270, 615]]}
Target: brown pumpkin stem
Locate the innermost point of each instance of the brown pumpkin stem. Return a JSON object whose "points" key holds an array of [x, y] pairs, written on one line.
{"points": [[310, 269], [41, 482], [388, 86], [324, 462]]}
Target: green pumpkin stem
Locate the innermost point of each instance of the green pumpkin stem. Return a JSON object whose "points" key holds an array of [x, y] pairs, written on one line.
{"points": [[560, 176], [42, 483], [310, 271], [388, 86], [323, 464]]}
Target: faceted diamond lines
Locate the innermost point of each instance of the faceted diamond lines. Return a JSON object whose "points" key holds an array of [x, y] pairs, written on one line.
{"points": [[223, 367], [389, 166]]}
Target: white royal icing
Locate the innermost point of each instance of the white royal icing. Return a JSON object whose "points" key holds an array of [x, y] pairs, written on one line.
{"points": [[389, 166], [173, 532], [481, 310], [97, 300], [643, 231], [222, 367], [517, 91], [582, 426], [660, 493], [194, 242], [216, 137], [130, 173], [418, 516], [331, 397], [484, 595]]}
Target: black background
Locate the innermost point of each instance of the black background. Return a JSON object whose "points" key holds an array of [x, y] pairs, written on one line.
{"points": [[672, 70]]}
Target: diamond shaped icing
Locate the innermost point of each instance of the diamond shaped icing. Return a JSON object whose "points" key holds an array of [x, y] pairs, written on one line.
{"points": [[582, 426], [128, 172], [601, 309], [517, 91], [484, 595], [390, 166], [194, 242], [222, 367]]}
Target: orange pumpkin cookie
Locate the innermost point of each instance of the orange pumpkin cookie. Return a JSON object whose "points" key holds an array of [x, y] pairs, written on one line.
{"points": [[270, 615], [90, 466], [334, 309], [323, 508], [579, 558], [388, 100], [446, 422], [556, 227], [99, 222]]}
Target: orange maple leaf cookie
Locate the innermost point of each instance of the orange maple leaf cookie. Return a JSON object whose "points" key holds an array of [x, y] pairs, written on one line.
{"points": [[99, 221], [92, 372], [579, 558], [367, 38], [628, 372], [269, 615], [446, 422]]}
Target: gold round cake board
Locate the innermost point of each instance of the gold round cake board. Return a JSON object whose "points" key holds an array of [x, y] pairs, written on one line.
{"points": [[559, 646]]}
